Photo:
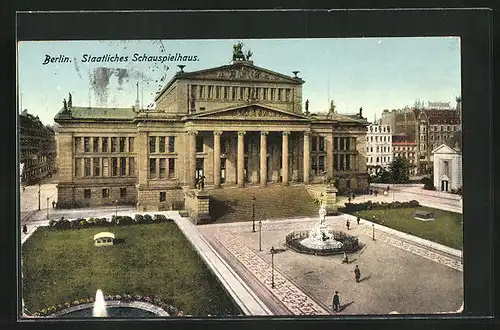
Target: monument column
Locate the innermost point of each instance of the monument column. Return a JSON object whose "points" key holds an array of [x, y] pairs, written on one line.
{"points": [[284, 158], [263, 158], [217, 159], [240, 159], [307, 157], [192, 159]]}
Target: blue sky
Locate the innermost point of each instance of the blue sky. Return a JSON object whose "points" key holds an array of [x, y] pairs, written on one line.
{"points": [[375, 73]]}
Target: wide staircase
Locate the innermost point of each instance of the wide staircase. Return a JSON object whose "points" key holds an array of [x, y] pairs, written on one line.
{"points": [[272, 202]]}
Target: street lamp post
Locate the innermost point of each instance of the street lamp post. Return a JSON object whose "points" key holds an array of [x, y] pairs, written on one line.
{"points": [[47, 208], [253, 214], [39, 186], [260, 235], [116, 208], [373, 231], [272, 266]]}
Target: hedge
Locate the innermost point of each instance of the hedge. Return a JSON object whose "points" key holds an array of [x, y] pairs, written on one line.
{"points": [[369, 205], [104, 222]]}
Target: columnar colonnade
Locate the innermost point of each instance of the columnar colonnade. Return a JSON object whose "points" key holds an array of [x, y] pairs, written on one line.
{"points": [[240, 158]]}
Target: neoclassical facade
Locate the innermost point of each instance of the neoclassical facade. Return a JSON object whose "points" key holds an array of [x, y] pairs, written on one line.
{"points": [[233, 125]]}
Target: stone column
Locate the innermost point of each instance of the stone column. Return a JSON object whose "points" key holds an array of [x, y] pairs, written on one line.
{"points": [[263, 158], [241, 159], [217, 159], [192, 159], [284, 158], [307, 157], [329, 154]]}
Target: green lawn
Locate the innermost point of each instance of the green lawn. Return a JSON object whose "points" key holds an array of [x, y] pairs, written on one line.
{"points": [[154, 259], [446, 229]]}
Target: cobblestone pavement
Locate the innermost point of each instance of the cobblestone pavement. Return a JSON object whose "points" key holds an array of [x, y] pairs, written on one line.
{"points": [[304, 283]]}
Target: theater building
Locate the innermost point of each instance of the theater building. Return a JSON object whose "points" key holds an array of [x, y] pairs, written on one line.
{"points": [[234, 125]]}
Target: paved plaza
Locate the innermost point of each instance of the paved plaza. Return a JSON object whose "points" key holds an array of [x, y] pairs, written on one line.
{"points": [[396, 275], [399, 272]]}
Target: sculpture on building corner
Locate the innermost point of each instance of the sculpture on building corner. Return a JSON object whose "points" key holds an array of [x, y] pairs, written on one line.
{"points": [[70, 102], [361, 112], [307, 106], [65, 105]]}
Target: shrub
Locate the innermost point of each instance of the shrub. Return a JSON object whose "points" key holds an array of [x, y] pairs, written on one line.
{"points": [[52, 223], [161, 218], [147, 218], [139, 218], [126, 220], [369, 205]]}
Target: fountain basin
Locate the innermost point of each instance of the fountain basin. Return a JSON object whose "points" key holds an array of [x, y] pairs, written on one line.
{"points": [[114, 309], [338, 243]]}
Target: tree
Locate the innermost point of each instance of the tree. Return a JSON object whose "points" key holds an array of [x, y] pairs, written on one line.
{"points": [[399, 170]]}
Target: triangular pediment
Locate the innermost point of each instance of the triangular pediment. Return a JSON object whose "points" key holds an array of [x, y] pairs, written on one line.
{"points": [[249, 112], [444, 149], [241, 72]]}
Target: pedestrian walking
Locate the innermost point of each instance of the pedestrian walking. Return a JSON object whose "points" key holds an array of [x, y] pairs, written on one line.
{"points": [[357, 219], [349, 199], [336, 302], [347, 224], [357, 273], [53, 204], [25, 229], [346, 259]]}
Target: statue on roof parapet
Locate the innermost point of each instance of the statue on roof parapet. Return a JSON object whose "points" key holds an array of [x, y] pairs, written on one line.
{"points": [[307, 106], [361, 112], [70, 102], [238, 54]]}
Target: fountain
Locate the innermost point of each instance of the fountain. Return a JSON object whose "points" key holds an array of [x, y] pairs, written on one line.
{"points": [[320, 240], [99, 305], [320, 237]]}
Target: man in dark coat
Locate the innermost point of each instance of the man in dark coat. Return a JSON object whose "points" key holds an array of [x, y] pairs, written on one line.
{"points": [[336, 302], [357, 273], [348, 224], [358, 220], [25, 229]]}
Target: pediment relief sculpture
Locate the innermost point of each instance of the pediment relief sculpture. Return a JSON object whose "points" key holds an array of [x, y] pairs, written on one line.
{"points": [[244, 73], [251, 112]]}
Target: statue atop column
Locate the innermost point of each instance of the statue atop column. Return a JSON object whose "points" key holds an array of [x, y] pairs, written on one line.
{"points": [[322, 214]]}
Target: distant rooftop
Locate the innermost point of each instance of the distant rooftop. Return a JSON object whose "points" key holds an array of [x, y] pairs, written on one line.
{"points": [[97, 113]]}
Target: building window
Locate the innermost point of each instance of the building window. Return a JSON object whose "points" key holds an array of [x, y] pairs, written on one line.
{"points": [[123, 166], [321, 142], [78, 141], [280, 94], [163, 196], [171, 143], [171, 168], [233, 93], [264, 94], [199, 143], [105, 193], [86, 144], [131, 166], [321, 164], [122, 144], [114, 166], [123, 192], [348, 162], [86, 193], [104, 145], [130, 144], [86, 165], [105, 167], [341, 162], [314, 143], [287, 94], [446, 168], [96, 166], [226, 92], [78, 170], [342, 143], [272, 94], [161, 144], [96, 144], [114, 144], [347, 143], [217, 92], [152, 144], [314, 165], [152, 168], [162, 168], [201, 89], [210, 92]]}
